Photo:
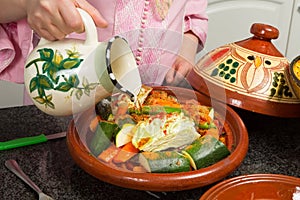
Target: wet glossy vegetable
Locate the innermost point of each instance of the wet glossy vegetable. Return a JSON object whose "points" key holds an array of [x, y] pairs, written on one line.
{"points": [[164, 162], [206, 151]]}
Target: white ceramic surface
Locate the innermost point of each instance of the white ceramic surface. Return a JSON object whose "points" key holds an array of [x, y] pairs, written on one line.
{"points": [[71, 75]]}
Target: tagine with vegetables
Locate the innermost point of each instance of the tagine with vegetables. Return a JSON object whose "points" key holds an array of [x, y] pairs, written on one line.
{"points": [[157, 134]]}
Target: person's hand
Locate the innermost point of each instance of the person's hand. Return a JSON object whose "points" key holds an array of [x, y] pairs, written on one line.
{"points": [[54, 19], [184, 62], [180, 69]]}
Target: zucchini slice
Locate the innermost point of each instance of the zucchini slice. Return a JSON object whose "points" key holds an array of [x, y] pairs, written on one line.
{"points": [[164, 162], [206, 151], [102, 138], [154, 110]]}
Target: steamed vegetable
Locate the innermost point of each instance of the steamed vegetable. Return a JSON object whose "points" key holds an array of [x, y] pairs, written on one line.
{"points": [[125, 153], [206, 151], [164, 162], [103, 136], [124, 136], [164, 132], [155, 110], [156, 134], [108, 154]]}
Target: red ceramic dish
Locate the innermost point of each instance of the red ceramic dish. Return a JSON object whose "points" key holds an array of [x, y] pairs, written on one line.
{"points": [[234, 126], [256, 186], [249, 74]]}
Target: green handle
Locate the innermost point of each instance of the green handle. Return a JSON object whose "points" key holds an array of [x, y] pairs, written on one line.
{"points": [[20, 142]]}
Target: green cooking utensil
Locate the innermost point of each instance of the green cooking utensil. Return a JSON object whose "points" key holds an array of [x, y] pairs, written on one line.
{"points": [[25, 141]]}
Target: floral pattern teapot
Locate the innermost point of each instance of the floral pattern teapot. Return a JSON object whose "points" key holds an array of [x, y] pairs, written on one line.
{"points": [[69, 76], [250, 74]]}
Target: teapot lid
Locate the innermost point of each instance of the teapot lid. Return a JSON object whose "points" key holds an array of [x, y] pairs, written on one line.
{"points": [[248, 74], [261, 40]]}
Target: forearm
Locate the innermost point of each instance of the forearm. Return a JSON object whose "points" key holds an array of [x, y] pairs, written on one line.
{"points": [[12, 10], [189, 47]]}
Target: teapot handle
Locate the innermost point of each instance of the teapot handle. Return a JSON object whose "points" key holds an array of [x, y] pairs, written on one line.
{"points": [[89, 27]]}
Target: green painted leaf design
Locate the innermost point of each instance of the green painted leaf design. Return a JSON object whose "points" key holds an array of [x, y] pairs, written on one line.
{"points": [[78, 94], [87, 91], [53, 62], [46, 54], [52, 73], [33, 84], [46, 66], [72, 53], [92, 86], [70, 63], [63, 87], [74, 80], [85, 82], [57, 58], [50, 104], [41, 91], [49, 97], [45, 82], [40, 100]]}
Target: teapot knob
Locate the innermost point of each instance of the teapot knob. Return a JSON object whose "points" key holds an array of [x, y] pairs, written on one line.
{"points": [[264, 31], [261, 41]]}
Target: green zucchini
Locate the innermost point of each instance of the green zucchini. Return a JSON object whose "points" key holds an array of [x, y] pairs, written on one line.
{"points": [[205, 151], [103, 137], [154, 109], [206, 125], [164, 162]]}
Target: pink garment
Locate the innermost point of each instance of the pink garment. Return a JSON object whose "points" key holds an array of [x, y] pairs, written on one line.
{"points": [[154, 41], [15, 45]]}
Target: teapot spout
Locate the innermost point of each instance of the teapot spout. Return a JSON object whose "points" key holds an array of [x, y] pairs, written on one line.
{"points": [[121, 69]]}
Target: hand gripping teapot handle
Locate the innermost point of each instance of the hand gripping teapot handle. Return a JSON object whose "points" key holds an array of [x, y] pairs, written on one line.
{"points": [[89, 26]]}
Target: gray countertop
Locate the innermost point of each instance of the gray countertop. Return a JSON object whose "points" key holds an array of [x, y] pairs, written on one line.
{"points": [[274, 147]]}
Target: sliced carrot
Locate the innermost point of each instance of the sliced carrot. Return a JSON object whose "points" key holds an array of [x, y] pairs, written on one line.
{"points": [[108, 154], [130, 147], [127, 152], [94, 123], [139, 169]]}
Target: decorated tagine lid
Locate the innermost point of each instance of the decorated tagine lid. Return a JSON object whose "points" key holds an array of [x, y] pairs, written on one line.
{"points": [[250, 74]]}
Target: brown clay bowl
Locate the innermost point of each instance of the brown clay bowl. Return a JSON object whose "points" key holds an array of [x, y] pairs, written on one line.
{"points": [[255, 186], [238, 144], [252, 104], [249, 74]]}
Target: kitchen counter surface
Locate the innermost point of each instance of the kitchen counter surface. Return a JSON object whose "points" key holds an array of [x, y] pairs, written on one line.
{"points": [[274, 147]]}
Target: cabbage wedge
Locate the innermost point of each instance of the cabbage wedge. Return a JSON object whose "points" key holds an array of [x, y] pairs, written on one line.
{"points": [[164, 132]]}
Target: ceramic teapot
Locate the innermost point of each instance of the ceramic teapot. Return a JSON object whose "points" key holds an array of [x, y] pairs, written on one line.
{"points": [[71, 75], [250, 74]]}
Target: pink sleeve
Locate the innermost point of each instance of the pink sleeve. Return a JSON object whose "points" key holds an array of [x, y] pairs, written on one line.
{"points": [[7, 52], [196, 19], [15, 45]]}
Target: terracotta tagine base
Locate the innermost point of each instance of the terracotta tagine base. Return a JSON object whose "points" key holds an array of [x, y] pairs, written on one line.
{"points": [[255, 186], [233, 124], [250, 74]]}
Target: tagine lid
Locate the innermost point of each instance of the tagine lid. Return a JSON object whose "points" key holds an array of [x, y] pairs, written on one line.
{"points": [[248, 74]]}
